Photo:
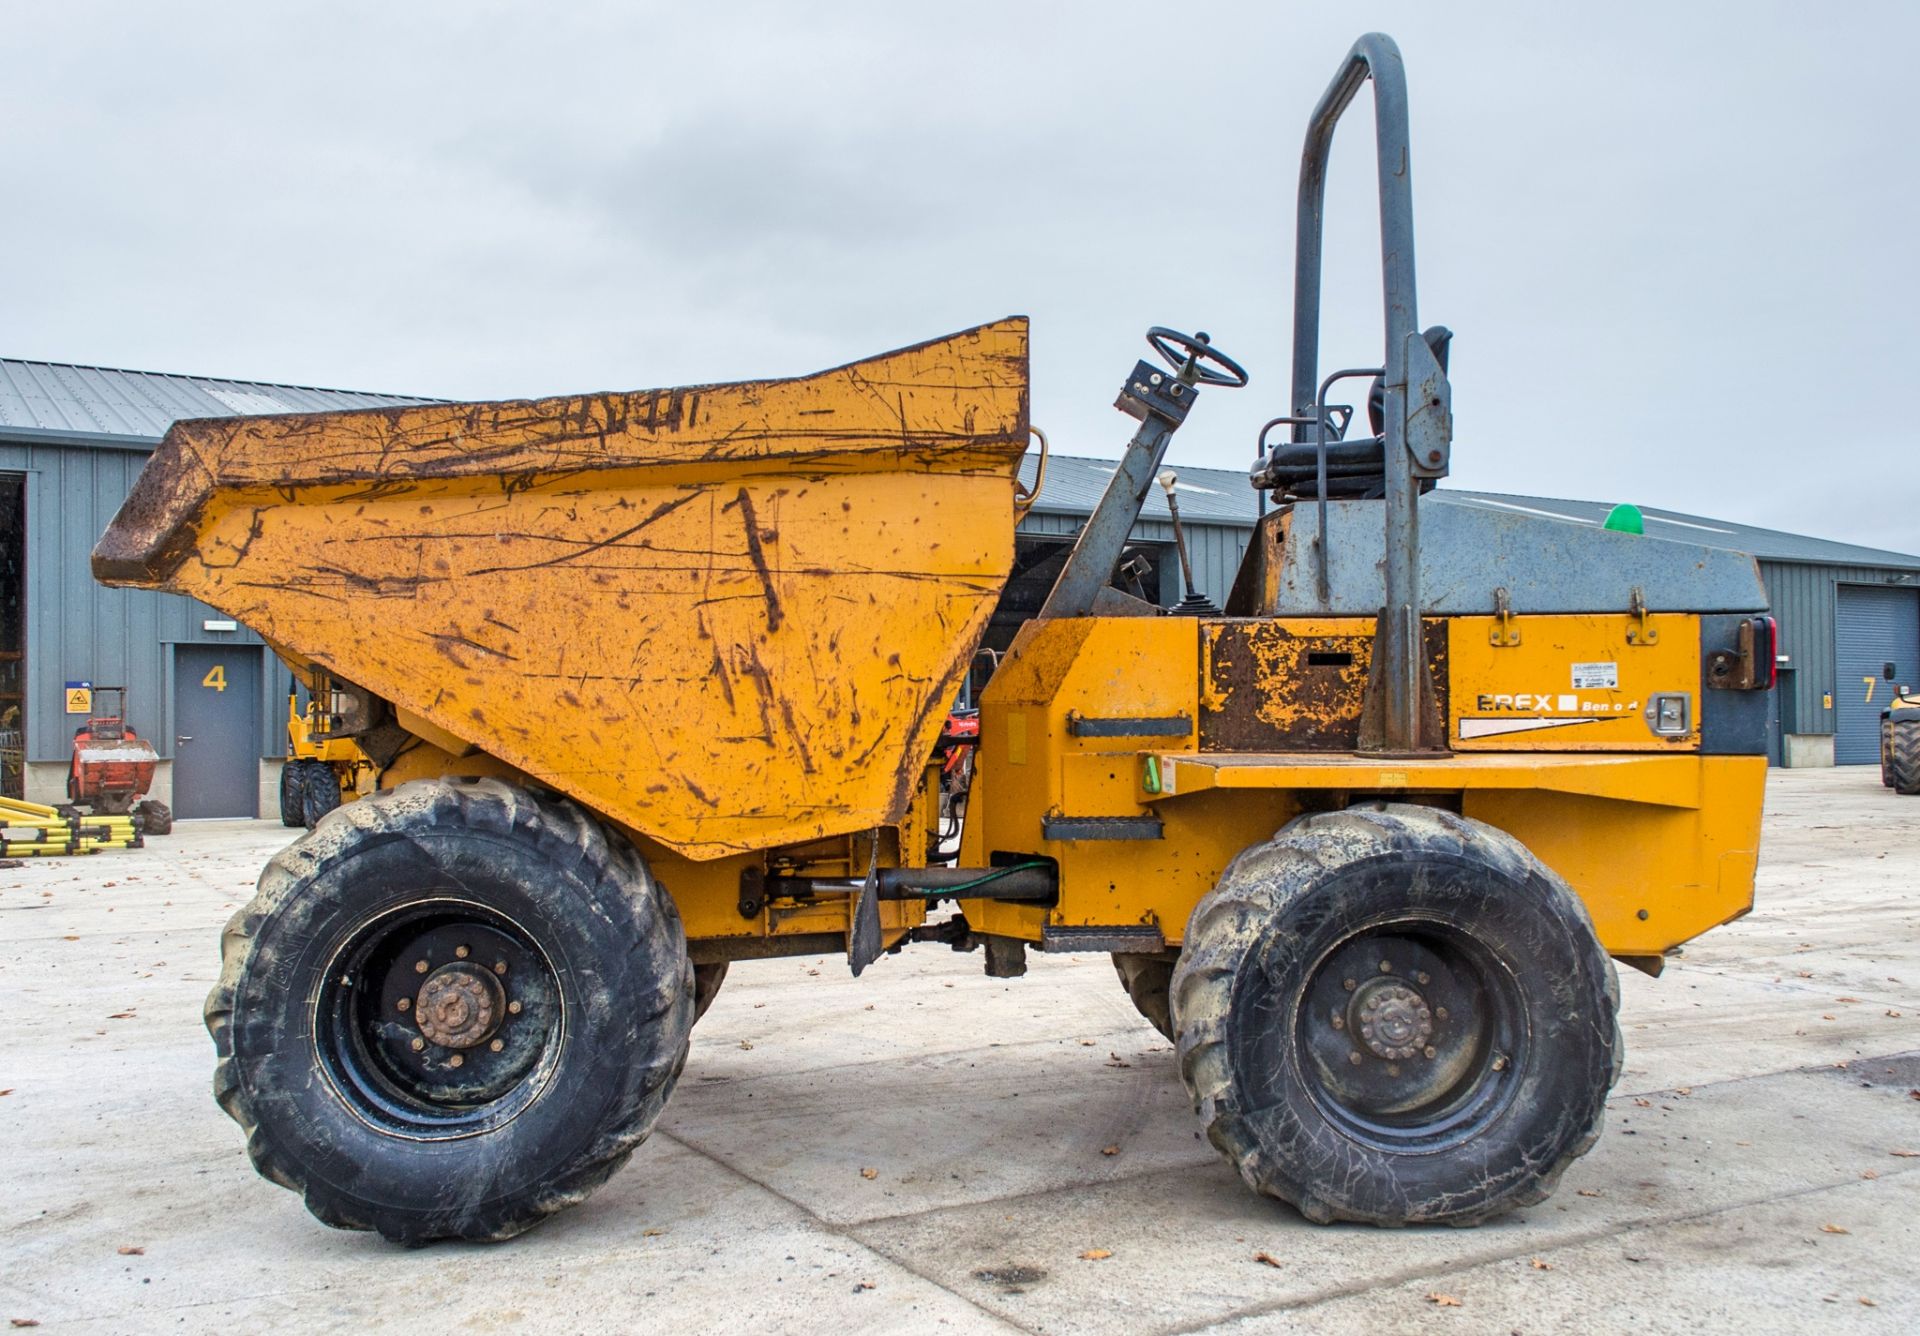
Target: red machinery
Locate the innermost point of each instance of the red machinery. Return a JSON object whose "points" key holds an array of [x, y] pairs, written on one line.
{"points": [[112, 765]]}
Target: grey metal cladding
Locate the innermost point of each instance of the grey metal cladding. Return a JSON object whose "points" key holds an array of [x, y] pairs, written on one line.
{"points": [[1546, 565]]}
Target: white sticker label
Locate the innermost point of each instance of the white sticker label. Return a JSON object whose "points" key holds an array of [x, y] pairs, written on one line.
{"points": [[1596, 676]]}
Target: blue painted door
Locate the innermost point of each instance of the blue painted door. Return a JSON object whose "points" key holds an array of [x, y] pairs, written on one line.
{"points": [[216, 730], [1871, 629]]}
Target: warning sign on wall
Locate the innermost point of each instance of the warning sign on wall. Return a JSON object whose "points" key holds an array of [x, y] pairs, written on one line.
{"points": [[79, 698]]}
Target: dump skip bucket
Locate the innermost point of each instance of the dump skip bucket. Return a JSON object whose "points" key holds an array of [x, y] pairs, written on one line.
{"points": [[729, 616]]}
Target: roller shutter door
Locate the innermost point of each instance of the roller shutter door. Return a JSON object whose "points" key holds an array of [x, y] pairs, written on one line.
{"points": [[1871, 628]]}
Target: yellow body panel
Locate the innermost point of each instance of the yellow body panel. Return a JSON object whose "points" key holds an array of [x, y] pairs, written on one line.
{"points": [[1571, 683], [728, 617], [1660, 843]]}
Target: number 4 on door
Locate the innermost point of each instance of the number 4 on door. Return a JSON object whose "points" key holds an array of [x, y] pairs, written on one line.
{"points": [[216, 677]]}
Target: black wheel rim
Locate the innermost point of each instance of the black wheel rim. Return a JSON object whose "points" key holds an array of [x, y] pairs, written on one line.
{"points": [[1411, 1035], [439, 1019]]}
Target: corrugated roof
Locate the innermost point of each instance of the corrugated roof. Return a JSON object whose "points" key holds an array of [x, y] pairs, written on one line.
{"points": [[1223, 496], [106, 405], [1207, 496]]}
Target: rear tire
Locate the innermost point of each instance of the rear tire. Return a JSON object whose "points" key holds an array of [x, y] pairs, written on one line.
{"points": [[319, 792], [551, 1017], [292, 794], [1396, 1015], [706, 986], [1148, 979], [1903, 755]]}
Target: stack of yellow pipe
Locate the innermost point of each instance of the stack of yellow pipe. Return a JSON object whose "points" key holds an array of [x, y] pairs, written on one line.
{"points": [[29, 830]]}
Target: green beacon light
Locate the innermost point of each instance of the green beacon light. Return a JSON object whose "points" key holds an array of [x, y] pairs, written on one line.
{"points": [[1625, 519]]}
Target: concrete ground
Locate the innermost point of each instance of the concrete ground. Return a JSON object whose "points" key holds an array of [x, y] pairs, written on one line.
{"points": [[1035, 1164]]}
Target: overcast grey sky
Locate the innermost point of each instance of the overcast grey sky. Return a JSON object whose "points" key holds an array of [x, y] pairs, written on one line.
{"points": [[1676, 242]]}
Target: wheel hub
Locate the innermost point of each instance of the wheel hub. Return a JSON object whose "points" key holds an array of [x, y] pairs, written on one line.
{"points": [[440, 1017], [1392, 1019], [1409, 1033], [460, 1005]]}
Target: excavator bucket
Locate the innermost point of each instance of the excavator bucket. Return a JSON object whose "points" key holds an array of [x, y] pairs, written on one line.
{"points": [[728, 616]]}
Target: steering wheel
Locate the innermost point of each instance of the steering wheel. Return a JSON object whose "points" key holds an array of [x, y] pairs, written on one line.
{"points": [[1188, 355]]}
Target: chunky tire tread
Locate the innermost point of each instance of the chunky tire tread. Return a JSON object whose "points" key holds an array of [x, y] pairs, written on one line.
{"points": [[557, 830], [292, 796], [319, 792], [1224, 935], [153, 817], [1903, 756], [1148, 979]]}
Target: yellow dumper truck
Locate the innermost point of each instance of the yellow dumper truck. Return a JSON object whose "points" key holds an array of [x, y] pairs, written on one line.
{"points": [[657, 681]]}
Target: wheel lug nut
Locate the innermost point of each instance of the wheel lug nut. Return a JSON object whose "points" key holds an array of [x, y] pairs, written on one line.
{"points": [[1386, 967], [1339, 1024], [1354, 1057], [499, 967], [497, 1045], [1423, 977], [419, 967], [1441, 1013], [1393, 1069], [1349, 985], [404, 1003], [419, 1044], [1431, 1051], [513, 1007], [456, 1060], [461, 952]]}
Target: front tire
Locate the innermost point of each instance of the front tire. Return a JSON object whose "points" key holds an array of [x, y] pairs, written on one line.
{"points": [[452, 1010], [153, 817], [1395, 1015], [293, 794]]}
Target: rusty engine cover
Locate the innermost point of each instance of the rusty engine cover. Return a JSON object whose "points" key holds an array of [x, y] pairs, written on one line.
{"points": [[1299, 685]]}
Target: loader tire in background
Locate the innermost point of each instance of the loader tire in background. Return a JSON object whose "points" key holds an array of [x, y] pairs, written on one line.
{"points": [[319, 792], [1902, 763], [1148, 979], [525, 950], [1396, 1015], [293, 809], [706, 986]]}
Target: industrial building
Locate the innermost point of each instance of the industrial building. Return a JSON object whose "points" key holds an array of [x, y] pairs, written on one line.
{"points": [[200, 687], [204, 691]]}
